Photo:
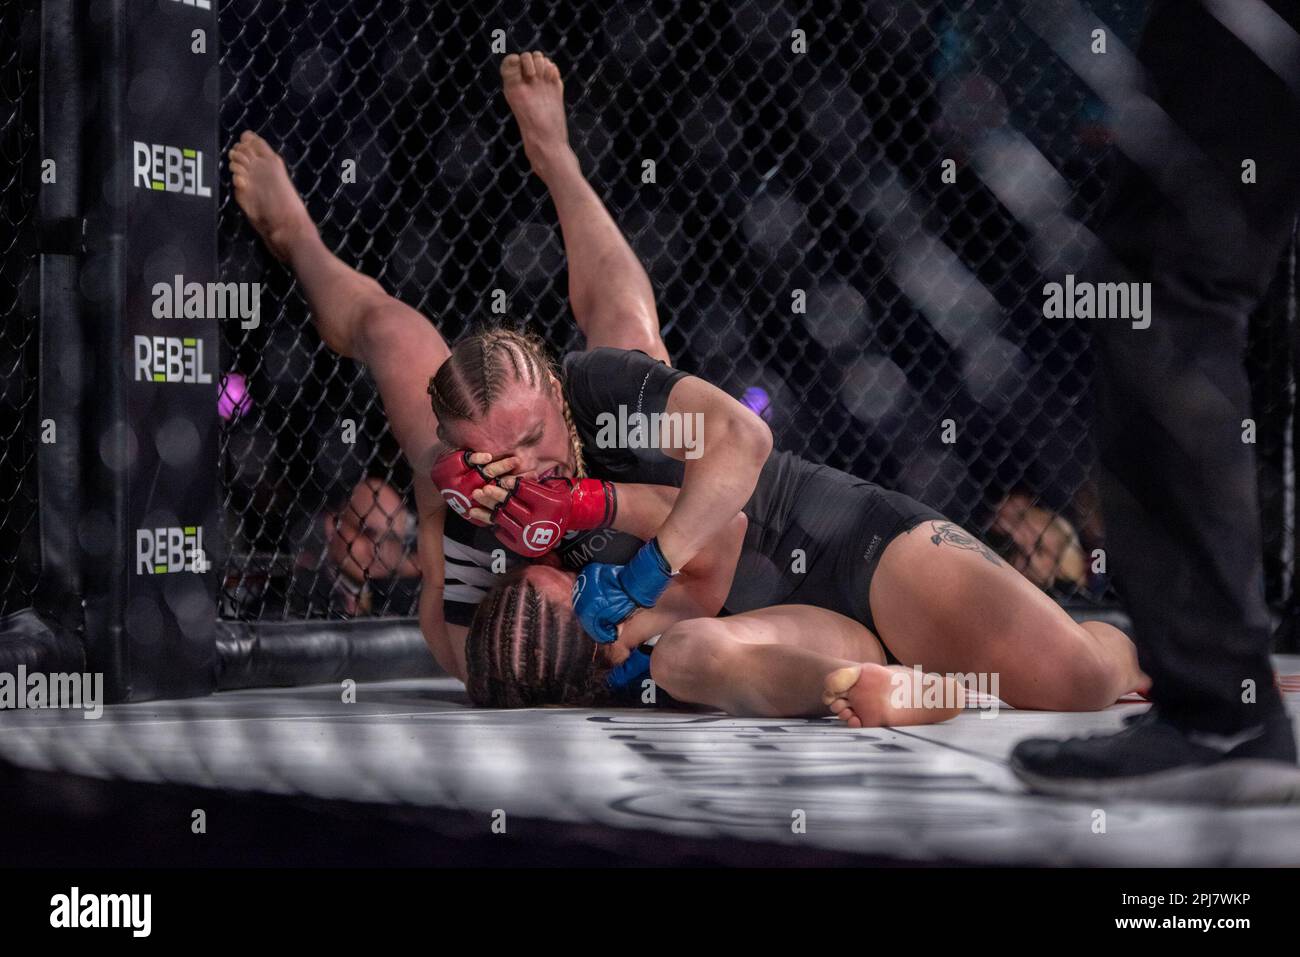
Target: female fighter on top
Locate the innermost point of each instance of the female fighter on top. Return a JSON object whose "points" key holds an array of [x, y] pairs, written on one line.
{"points": [[878, 570]]}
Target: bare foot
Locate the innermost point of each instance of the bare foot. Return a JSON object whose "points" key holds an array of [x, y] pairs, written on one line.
{"points": [[871, 696], [535, 93], [265, 193]]}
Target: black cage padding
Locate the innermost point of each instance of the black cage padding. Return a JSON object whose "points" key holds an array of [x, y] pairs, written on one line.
{"points": [[282, 654], [39, 645]]}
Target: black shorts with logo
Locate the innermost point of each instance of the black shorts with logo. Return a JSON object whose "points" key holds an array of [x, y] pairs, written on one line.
{"points": [[826, 549]]}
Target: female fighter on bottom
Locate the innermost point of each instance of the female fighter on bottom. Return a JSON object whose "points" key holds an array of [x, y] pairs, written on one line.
{"points": [[730, 519]]}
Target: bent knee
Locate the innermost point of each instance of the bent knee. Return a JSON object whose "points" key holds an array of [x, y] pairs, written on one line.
{"points": [[387, 329], [687, 650], [1082, 678]]}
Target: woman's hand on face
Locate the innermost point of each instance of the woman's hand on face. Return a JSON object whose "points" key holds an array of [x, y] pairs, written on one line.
{"points": [[494, 468], [489, 497]]}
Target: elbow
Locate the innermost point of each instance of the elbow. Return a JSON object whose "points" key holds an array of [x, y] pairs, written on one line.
{"points": [[753, 436], [734, 440], [739, 443]]}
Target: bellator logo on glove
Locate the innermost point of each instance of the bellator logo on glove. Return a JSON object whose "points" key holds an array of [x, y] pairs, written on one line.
{"points": [[535, 515], [456, 478]]}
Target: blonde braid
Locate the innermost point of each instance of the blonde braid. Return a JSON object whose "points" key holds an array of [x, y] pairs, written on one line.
{"points": [[580, 466]]}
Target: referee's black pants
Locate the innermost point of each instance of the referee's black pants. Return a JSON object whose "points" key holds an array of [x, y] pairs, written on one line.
{"points": [[1177, 477]]}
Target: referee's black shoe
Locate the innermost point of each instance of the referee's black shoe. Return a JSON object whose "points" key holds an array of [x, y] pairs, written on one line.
{"points": [[1154, 759]]}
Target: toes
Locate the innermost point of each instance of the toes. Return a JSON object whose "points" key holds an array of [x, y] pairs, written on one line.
{"points": [[849, 718], [256, 145], [530, 65], [841, 680]]}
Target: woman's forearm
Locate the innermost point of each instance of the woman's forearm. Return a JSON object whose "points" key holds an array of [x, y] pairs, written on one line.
{"points": [[698, 592], [447, 651], [433, 627], [716, 486], [642, 509]]}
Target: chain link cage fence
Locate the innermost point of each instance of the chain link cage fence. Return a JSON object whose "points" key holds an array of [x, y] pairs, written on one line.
{"points": [[779, 175], [18, 339]]}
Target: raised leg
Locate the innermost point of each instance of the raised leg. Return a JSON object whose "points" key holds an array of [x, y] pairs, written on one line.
{"points": [[609, 292], [351, 311]]}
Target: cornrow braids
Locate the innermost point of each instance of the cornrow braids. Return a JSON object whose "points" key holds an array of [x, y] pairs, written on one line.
{"points": [[480, 369], [451, 397], [526, 649]]}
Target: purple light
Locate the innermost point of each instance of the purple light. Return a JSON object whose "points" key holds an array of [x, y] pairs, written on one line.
{"points": [[234, 401], [757, 401]]}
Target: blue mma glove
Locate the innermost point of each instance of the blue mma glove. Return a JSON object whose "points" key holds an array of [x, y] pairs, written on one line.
{"points": [[628, 676], [605, 595], [599, 603]]}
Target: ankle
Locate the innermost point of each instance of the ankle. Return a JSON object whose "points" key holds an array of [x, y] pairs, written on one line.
{"points": [[555, 163], [296, 240]]}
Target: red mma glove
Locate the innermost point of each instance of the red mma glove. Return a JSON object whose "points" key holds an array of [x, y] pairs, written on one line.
{"points": [[456, 478], [538, 514]]}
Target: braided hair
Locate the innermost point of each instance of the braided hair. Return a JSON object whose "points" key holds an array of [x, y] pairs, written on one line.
{"points": [[526, 649], [483, 366]]}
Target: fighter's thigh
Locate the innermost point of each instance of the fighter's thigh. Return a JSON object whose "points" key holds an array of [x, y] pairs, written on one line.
{"points": [[945, 601], [402, 349], [802, 626]]}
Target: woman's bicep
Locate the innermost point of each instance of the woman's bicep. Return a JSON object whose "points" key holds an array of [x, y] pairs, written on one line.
{"points": [[699, 413]]}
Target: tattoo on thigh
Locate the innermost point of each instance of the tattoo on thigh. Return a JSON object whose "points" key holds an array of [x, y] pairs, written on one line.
{"points": [[946, 533]]}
